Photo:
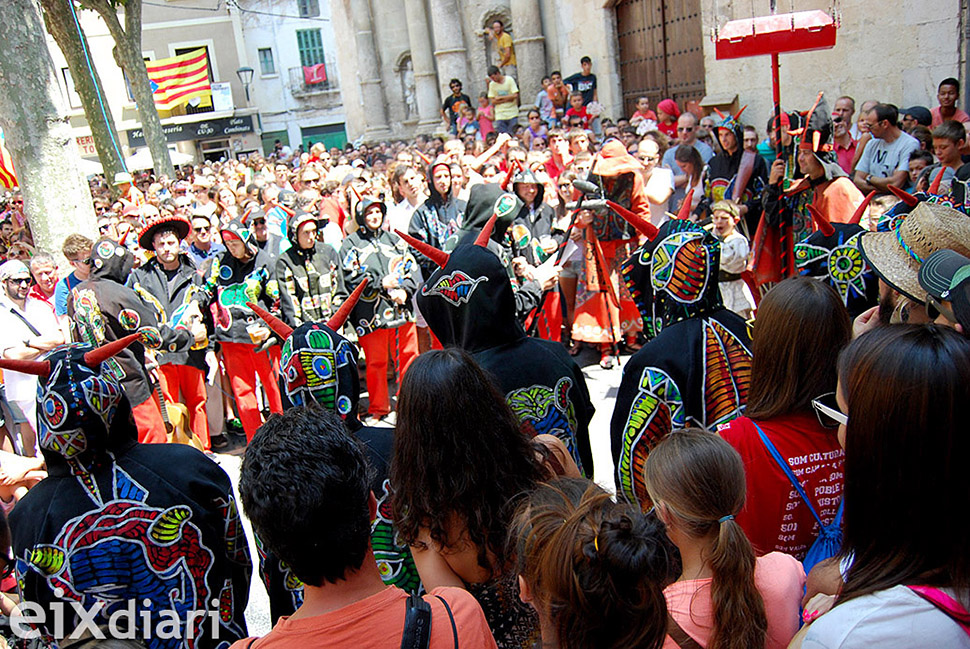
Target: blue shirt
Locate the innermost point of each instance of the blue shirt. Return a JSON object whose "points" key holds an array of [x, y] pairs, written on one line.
{"points": [[61, 290]]}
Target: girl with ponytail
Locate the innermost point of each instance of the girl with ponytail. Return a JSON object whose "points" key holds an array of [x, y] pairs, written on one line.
{"points": [[724, 598], [594, 570]]}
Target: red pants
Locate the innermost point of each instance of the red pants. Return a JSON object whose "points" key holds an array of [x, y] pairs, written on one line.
{"points": [[242, 364], [375, 346], [190, 381], [148, 420]]}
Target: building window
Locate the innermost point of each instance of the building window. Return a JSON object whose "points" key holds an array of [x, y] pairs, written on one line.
{"points": [[266, 64], [309, 8], [310, 44]]}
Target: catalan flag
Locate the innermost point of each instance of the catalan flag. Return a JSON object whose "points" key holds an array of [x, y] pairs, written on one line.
{"points": [[178, 79], [8, 179]]}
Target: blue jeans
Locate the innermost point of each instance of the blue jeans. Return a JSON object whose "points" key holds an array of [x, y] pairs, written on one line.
{"points": [[506, 125]]}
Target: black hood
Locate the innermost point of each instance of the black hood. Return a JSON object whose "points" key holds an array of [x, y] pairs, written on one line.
{"points": [[293, 226], [836, 259], [433, 195], [361, 210], [674, 277], [82, 412], [481, 205], [240, 227], [111, 260], [470, 303], [527, 176]]}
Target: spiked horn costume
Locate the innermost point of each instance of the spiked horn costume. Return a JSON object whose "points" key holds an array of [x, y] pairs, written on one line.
{"points": [[117, 523]]}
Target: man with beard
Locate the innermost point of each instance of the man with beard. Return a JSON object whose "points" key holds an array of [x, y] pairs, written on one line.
{"points": [[103, 310], [896, 257], [30, 329], [169, 281], [309, 273], [242, 274]]}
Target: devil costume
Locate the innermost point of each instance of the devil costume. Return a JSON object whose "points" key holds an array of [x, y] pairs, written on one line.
{"points": [[311, 280], [320, 366], [723, 175], [436, 219], [695, 369], [124, 525], [469, 303], [103, 309]]}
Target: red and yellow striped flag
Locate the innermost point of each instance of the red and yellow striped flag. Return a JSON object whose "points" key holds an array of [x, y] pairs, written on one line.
{"points": [[178, 79], [8, 179]]}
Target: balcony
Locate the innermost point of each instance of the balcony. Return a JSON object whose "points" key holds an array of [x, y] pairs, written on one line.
{"points": [[325, 88]]}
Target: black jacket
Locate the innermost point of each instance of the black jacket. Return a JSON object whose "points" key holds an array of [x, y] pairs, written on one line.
{"points": [[150, 282]]}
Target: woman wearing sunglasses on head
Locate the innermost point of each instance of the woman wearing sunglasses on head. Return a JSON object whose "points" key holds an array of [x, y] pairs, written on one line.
{"points": [[903, 402], [800, 329]]}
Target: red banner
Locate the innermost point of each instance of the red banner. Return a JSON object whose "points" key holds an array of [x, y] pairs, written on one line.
{"points": [[314, 73]]}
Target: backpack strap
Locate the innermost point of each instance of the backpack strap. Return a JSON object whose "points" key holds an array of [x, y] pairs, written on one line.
{"points": [[679, 636], [454, 628], [417, 624], [946, 604], [773, 451]]}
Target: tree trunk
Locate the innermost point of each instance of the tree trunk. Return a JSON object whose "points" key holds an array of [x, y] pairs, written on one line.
{"points": [[127, 53], [61, 24], [34, 118]]}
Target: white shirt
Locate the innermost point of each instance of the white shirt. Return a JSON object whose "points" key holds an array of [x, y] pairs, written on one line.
{"points": [[399, 216], [659, 178], [23, 387]]}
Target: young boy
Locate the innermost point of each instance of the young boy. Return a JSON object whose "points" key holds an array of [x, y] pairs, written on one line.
{"points": [[644, 116], [734, 258], [577, 109], [918, 161]]}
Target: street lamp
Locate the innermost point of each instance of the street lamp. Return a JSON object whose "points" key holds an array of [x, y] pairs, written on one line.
{"points": [[245, 75]]}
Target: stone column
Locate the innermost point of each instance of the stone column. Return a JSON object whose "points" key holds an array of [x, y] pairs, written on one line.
{"points": [[450, 49], [422, 60], [369, 73], [530, 50]]}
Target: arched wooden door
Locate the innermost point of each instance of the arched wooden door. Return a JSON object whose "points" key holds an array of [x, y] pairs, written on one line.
{"points": [[661, 51]]}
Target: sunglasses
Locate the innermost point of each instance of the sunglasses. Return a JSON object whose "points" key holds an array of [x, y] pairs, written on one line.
{"points": [[685, 129], [828, 413], [19, 280], [86, 262], [204, 228], [259, 221]]}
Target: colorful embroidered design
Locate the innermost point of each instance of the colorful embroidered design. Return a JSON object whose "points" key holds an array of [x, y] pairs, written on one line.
{"points": [[129, 319], [727, 373], [681, 266], [88, 316], [657, 409], [393, 557], [544, 411], [310, 363], [150, 337], [456, 288]]}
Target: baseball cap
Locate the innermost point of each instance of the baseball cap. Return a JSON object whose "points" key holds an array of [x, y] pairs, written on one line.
{"points": [[942, 272], [14, 269], [921, 114]]}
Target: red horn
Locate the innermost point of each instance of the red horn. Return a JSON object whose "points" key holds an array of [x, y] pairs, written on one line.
{"points": [[288, 211], [336, 322], [645, 227], [904, 196], [508, 176], [439, 257], [37, 368], [486, 232], [857, 215], [719, 113], [738, 116], [821, 222], [245, 216], [935, 185], [684, 212], [279, 327], [95, 357], [124, 237]]}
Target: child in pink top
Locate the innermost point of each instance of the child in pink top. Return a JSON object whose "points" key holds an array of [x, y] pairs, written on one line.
{"points": [[485, 116], [697, 484]]}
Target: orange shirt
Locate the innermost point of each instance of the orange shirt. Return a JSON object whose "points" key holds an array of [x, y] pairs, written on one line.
{"points": [[377, 622]]}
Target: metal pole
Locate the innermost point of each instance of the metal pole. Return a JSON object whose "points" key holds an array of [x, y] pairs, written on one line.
{"points": [[776, 97]]}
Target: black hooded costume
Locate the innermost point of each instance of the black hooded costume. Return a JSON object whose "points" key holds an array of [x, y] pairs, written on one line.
{"points": [[469, 303], [310, 279], [320, 366], [103, 309], [117, 523], [436, 219], [722, 175], [533, 223], [695, 369]]}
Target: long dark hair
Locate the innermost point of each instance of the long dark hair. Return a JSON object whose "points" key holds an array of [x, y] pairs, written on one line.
{"points": [[699, 478], [907, 489], [459, 455], [593, 566], [801, 327], [688, 153]]}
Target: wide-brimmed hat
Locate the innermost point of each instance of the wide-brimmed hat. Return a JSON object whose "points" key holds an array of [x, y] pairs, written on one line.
{"points": [[897, 256], [177, 223], [123, 177]]}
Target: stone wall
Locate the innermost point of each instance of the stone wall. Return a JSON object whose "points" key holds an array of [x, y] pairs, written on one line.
{"points": [[895, 51]]}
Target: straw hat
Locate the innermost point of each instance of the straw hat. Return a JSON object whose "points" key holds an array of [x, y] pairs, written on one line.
{"points": [[896, 256]]}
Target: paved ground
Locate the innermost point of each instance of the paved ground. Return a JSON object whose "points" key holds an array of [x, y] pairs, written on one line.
{"points": [[602, 387]]}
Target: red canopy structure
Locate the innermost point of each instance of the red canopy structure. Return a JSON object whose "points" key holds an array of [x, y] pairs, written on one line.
{"points": [[801, 31]]}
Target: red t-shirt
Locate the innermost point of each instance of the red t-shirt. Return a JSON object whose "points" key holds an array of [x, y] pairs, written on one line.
{"points": [[572, 112], [774, 516], [670, 130]]}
